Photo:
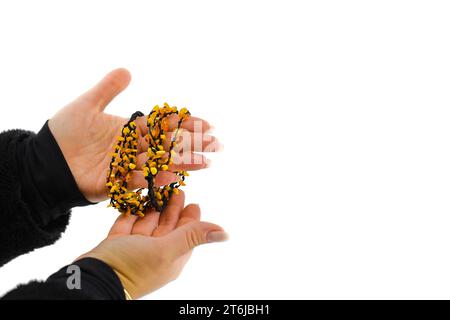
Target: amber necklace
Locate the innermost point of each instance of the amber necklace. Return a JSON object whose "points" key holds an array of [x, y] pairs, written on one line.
{"points": [[124, 162]]}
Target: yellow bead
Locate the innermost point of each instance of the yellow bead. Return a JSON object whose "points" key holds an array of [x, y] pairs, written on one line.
{"points": [[160, 153], [153, 170], [182, 112], [176, 191], [132, 166], [126, 130], [165, 167]]}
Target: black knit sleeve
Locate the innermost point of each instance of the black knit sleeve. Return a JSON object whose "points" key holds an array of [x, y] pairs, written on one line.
{"points": [[37, 191], [86, 279]]}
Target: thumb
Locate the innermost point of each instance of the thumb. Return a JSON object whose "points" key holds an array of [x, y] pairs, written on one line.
{"points": [[107, 89], [187, 237]]}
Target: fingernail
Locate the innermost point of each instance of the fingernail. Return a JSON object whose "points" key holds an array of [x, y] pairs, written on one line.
{"points": [[208, 163], [217, 236]]}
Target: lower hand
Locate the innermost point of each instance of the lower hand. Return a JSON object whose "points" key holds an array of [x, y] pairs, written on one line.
{"points": [[147, 253]]}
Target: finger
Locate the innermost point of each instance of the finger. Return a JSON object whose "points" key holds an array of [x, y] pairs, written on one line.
{"points": [[142, 144], [108, 88], [147, 224], [193, 141], [186, 141], [141, 159], [137, 180], [123, 225], [192, 124], [187, 237], [190, 213], [141, 123], [169, 217], [189, 161], [163, 178]]}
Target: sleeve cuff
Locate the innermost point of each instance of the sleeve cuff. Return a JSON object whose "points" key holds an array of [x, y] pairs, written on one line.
{"points": [[47, 181], [97, 280]]}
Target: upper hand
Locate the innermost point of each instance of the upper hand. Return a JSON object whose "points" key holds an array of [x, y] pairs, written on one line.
{"points": [[86, 136]]}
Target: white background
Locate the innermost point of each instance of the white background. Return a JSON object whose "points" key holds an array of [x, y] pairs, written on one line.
{"points": [[335, 179]]}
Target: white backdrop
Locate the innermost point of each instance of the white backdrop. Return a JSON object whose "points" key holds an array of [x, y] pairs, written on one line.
{"points": [[335, 178]]}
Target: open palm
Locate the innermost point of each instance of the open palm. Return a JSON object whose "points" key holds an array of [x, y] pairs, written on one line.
{"points": [[147, 253]]}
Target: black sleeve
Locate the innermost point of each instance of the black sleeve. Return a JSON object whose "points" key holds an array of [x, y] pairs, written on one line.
{"points": [[37, 191], [97, 281]]}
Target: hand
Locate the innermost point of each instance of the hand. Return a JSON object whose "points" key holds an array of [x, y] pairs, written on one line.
{"points": [[86, 136], [149, 252]]}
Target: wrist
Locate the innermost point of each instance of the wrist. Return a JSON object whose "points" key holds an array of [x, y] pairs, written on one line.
{"points": [[126, 284]]}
